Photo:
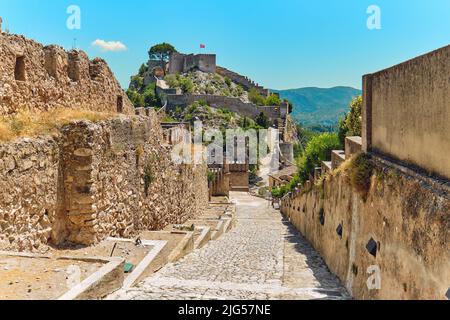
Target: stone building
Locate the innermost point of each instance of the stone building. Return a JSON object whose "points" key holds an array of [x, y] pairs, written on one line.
{"points": [[182, 63]]}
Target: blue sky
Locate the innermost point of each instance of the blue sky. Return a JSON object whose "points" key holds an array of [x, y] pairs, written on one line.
{"points": [[279, 43]]}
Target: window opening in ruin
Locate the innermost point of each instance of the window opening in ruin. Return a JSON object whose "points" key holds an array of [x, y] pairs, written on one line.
{"points": [[19, 71], [372, 247], [322, 217], [340, 230], [119, 104]]}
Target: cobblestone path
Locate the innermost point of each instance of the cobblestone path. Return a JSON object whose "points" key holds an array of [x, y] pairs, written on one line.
{"points": [[263, 257]]}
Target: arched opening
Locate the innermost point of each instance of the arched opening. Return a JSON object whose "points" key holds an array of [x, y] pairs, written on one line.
{"points": [[19, 71]]}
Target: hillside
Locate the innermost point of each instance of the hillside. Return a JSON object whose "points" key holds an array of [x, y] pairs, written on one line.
{"points": [[319, 106]]}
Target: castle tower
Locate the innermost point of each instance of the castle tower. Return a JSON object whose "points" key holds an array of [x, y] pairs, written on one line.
{"points": [[1, 20]]}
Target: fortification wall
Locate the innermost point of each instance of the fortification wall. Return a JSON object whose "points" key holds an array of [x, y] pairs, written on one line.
{"points": [[41, 78], [243, 81], [233, 104], [407, 114], [407, 219], [111, 178], [181, 63]]}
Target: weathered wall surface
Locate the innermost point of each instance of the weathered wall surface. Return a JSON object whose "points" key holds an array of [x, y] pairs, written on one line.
{"points": [[41, 78], [112, 178], [28, 192], [182, 63], [407, 112], [409, 221], [120, 179]]}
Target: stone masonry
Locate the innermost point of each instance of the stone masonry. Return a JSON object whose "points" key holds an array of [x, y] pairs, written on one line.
{"points": [[94, 180], [45, 77]]}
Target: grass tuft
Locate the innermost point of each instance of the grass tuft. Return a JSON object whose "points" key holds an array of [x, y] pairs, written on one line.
{"points": [[360, 173], [28, 123]]}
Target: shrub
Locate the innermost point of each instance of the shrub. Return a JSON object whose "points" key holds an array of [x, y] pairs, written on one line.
{"points": [[262, 120], [255, 97], [186, 85], [272, 100], [238, 91], [317, 150], [228, 81], [351, 124], [172, 81]]}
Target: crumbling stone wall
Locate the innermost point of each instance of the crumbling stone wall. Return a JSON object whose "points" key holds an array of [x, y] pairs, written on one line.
{"points": [[119, 179], [28, 192], [41, 78], [94, 180], [407, 218]]}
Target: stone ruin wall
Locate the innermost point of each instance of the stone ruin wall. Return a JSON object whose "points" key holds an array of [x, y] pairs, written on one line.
{"points": [[89, 183], [408, 219], [29, 176], [45, 77]]}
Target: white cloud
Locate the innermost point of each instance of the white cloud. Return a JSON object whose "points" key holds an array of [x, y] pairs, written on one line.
{"points": [[114, 46]]}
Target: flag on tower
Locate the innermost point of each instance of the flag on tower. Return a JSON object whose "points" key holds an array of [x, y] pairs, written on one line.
{"points": [[202, 46]]}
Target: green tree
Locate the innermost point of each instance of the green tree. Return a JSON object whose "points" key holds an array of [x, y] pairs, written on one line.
{"points": [[161, 52], [318, 149], [262, 120], [351, 124], [142, 69]]}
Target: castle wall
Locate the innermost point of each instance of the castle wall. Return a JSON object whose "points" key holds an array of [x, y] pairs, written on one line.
{"points": [[407, 114], [243, 81], [182, 63], [176, 63], [407, 219], [233, 104], [111, 178], [42, 78]]}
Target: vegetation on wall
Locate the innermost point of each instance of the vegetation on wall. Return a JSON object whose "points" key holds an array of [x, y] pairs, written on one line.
{"points": [[148, 177], [360, 173], [255, 97]]}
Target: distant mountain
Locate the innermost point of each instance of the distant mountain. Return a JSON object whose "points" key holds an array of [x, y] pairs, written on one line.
{"points": [[318, 106]]}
